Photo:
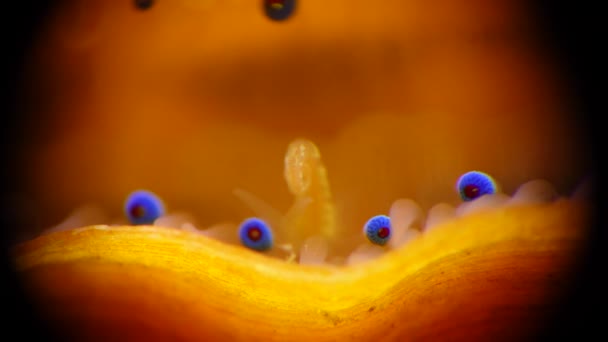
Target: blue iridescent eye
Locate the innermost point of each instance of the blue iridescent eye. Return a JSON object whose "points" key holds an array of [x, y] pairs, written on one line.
{"points": [[279, 9], [143, 207], [475, 184], [256, 234], [378, 229]]}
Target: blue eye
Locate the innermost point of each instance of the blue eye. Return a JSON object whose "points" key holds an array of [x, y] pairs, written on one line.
{"points": [[143, 207], [279, 9], [474, 184], [378, 229], [255, 234]]}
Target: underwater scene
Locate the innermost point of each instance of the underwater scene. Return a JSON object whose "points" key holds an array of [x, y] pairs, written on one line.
{"points": [[282, 170]]}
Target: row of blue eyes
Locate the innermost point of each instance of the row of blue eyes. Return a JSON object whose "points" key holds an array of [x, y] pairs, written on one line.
{"points": [[277, 10], [144, 207]]}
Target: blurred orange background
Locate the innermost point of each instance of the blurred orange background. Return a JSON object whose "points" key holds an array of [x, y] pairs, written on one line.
{"points": [[192, 99]]}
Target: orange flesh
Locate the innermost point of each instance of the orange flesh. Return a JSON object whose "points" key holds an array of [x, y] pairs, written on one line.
{"points": [[488, 276]]}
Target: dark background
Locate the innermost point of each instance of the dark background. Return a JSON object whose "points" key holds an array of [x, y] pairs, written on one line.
{"points": [[572, 28]]}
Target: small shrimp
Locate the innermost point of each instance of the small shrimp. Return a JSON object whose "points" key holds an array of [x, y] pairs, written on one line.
{"points": [[312, 212]]}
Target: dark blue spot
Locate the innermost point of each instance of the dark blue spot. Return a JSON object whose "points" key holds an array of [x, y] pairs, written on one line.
{"points": [[143, 207], [279, 10], [378, 229], [256, 234], [143, 4]]}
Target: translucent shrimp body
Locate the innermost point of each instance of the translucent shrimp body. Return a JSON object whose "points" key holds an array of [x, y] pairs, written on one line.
{"points": [[312, 212]]}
